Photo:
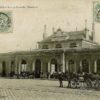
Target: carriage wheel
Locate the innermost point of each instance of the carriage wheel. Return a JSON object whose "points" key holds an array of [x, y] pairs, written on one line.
{"points": [[88, 83], [96, 84], [74, 83]]}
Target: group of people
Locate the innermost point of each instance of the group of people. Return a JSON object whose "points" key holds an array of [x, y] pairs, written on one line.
{"points": [[79, 77], [68, 77], [71, 77]]}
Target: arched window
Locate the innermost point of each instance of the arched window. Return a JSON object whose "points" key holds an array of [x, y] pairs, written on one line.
{"points": [[58, 46], [98, 66], [71, 62], [23, 65], [37, 68], [72, 45], [85, 65], [71, 66], [53, 65], [45, 47], [3, 68], [12, 66]]}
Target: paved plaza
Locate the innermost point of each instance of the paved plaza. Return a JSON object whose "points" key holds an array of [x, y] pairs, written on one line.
{"points": [[31, 89]]}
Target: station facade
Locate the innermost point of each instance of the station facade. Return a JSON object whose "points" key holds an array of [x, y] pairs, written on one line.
{"points": [[73, 51]]}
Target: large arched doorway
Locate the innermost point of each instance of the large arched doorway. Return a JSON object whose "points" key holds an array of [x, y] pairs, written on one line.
{"points": [[71, 66], [23, 66], [85, 66], [37, 68], [12, 66], [98, 66], [12, 71], [3, 68], [53, 66]]}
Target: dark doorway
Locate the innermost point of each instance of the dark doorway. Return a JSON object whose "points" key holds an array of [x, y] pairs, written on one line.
{"points": [[12, 66], [98, 66], [3, 69], [54, 66], [12, 71], [85, 66], [71, 66], [37, 68]]}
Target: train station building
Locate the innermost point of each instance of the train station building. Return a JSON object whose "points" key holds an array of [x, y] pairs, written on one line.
{"points": [[74, 51]]}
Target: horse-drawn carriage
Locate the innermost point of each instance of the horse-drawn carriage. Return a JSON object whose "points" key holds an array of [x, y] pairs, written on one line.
{"points": [[89, 81], [22, 75]]}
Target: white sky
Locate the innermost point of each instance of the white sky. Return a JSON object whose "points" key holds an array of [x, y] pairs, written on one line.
{"points": [[28, 23]]}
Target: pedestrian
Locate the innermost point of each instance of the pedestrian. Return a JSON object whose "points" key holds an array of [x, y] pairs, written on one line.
{"points": [[48, 75], [60, 77], [69, 79]]}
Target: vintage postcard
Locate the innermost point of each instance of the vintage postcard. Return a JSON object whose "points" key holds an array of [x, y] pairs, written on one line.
{"points": [[49, 49]]}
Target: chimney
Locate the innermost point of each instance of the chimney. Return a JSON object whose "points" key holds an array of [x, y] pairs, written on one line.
{"points": [[93, 31], [44, 33], [86, 31]]}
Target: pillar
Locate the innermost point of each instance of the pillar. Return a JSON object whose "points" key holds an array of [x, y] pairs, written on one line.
{"points": [[41, 66], [16, 66], [8, 67], [0, 67], [29, 65], [49, 66], [89, 67], [75, 69], [63, 62], [33, 66], [67, 65], [19, 67], [95, 66], [80, 66]]}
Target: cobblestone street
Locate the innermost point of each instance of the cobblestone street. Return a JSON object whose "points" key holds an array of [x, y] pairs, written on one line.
{"points": [[29, 89]]}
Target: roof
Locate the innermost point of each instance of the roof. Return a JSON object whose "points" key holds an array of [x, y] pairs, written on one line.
{"points": [[60, 35]]}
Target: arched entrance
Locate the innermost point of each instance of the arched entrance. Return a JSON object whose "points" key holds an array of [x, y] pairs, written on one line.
{"points": [[85, 66], [37, 68], [98, 66], [3, 68], [53, 66], [12, 71], [23, 66], [71, 66], [12, 66]]}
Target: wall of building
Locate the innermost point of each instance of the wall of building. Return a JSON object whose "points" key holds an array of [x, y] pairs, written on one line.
{"points": [[62, 59], [64, 44]]}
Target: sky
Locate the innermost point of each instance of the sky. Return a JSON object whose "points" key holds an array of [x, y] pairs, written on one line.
{"points": [[28, 22]]}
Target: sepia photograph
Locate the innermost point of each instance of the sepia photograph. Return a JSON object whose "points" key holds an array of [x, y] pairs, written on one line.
{"points": [[49, 49]]}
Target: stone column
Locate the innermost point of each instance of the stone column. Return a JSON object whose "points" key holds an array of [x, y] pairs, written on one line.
{"points": [[67, 65], [15, 69], [19, 67], [80, 66], [63, 62], [41, 66], [95, 66], [89, 67], [49, 66], [8, 68], [49, 69], [33, 66], [28, 65], [0, 67], [75, 69]]}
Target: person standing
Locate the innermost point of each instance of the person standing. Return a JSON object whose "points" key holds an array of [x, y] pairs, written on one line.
{"points": [[60, 77], [69, 79]]}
